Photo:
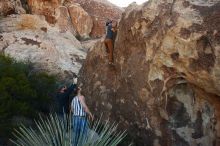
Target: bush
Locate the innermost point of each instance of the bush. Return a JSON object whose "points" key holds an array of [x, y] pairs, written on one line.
{"points": [[23, 93]]}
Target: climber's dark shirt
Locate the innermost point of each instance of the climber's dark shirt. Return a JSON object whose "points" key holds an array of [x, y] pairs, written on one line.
{"points": [[110, 33], [62, 100]]}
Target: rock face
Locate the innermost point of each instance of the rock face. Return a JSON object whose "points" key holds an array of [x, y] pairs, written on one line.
{"points": [[8, 7], [88, 20], [99, 11], [164, 86], [89, 44], [46, 36], [29, 37], [64, 22], [80, 20], [84, 22], [44, 7]]}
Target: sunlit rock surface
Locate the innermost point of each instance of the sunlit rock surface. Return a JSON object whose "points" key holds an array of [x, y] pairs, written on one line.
{"points": [[8, 7], [30, 38], [164, 86], [44, 7], [100, 11], [81, 20]]}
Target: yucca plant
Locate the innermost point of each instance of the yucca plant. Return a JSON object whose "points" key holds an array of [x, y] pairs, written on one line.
{"points": [[54, 131]]}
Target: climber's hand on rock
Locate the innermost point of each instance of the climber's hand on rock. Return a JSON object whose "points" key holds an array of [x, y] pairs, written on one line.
{"points": [[75, 80]]}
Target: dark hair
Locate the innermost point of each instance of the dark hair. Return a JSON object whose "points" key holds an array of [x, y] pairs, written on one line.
{"points": [[108, 22], [61, 86]]}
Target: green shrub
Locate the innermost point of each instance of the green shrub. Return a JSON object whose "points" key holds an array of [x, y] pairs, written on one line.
{"points": [[23, 93]]}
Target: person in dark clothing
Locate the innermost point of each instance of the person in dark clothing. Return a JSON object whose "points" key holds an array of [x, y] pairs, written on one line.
{"points": [[63, 99], [109, 40], [108, 22]]}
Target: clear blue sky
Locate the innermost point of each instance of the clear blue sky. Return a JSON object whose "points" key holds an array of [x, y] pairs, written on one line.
{"points": [[125, 3]]}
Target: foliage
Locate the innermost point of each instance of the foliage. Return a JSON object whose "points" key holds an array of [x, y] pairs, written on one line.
{"points": [[23, 93], [52, 131]]}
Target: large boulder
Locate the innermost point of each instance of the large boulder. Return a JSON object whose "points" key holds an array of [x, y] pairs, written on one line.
{"points": [[64, 22], [44, 7], [81, 20], [100, 11], [8, 7], [164, 86], [84, 20], [30, 38]]}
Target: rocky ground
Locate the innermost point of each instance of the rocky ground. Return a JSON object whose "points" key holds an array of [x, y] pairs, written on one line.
{"points": [[164, 86]]}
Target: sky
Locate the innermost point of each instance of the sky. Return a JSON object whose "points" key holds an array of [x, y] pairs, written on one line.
{"points": [[125, 3]]}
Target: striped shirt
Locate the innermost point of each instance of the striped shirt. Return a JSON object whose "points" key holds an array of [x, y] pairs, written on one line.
{"points": [[77, 107]]}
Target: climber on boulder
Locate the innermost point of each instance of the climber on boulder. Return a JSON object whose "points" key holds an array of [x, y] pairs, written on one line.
{"points": [[109, 39]]}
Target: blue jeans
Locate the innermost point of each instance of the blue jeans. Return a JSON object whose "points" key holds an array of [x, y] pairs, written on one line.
{"points": [[80, 128]]}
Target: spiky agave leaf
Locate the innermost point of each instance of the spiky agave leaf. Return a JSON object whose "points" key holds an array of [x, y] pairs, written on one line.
{"points": [[54, 131], [50, 131]]}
